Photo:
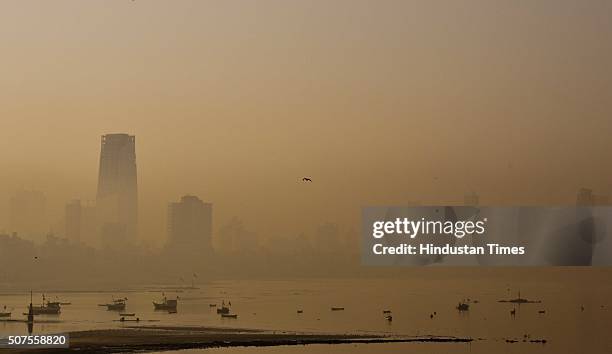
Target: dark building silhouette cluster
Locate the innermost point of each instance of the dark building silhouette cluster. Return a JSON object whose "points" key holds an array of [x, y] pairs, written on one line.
{"points": [[190, 224], [111, 221]]}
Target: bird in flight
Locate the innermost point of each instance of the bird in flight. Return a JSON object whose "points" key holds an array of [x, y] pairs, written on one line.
{"points": [[306, 179]]}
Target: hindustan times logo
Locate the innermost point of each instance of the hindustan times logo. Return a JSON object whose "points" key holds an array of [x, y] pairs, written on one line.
{"points": [[412, 228]]}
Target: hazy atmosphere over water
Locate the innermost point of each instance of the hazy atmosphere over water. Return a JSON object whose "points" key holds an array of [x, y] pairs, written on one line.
{"points": [[380, 102], [187, 174]]}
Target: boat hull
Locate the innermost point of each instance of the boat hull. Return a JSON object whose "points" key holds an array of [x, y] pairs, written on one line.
{"points": [[115, 307], [166, 306], [45, 310], [223, 310]]}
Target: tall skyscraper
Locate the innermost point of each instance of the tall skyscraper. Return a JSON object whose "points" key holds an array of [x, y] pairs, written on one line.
{"points": [[117, 197], [190, 224]]}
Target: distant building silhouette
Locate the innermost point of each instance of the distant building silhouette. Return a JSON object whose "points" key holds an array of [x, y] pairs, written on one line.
{"points": [[234, 237], [190, 224], [27, 215], [73, 220], [117, 197], [80, 221]]}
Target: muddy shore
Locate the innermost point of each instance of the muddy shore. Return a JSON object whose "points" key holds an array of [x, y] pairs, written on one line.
{"points": [[153, 338]]}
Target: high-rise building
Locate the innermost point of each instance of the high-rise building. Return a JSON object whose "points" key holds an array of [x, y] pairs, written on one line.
{"points": [[80, 221], [190, 224], [27, 214], [117, 197]]}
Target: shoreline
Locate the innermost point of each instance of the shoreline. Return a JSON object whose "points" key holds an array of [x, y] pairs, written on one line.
{"points": [[152, 338]]}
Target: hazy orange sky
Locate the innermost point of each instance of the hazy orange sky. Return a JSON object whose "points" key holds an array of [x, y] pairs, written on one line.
{"points": [[381, 102]]}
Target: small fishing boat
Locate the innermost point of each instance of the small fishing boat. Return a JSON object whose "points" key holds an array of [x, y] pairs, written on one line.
{"points": [[58, 302], [337, 308], [122, 319], [166, 304], [117, 305], [227, 315], [300, 311], [224, 310], [520, 300], [463, 306], [46, 308]]}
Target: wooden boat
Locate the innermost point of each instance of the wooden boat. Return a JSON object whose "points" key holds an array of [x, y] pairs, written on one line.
{"points": [[224, 310], [463, 306], [166, 304], [227, 315], [117, 305], [337, 308], [122, 319], [47, 308], [520, 300]]}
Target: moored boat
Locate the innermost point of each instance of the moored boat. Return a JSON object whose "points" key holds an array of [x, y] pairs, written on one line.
{"points": [[47, 308], [117, 305], [224, 310], [166, 304], [463, 306]]}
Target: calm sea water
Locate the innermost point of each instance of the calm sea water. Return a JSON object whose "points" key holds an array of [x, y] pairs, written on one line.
{"points": [[273, 305]]}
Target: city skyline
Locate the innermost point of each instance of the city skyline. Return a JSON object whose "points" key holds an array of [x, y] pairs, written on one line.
{"points": [[379, 104], [306, 176]]}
